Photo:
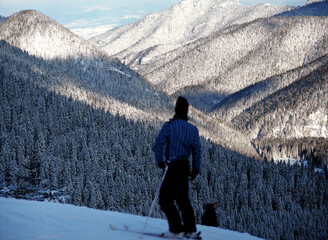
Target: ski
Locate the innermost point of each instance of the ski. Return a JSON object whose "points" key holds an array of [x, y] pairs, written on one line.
{"points": [[127, 229], [159, 235]]}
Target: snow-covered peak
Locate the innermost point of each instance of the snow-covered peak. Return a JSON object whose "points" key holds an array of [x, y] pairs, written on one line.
{"points": [[41, 36], [216, 2]]}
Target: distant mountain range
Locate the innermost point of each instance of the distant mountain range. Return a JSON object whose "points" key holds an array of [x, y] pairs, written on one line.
{"points": [[95, 76], [238, 57], [158, 33]]}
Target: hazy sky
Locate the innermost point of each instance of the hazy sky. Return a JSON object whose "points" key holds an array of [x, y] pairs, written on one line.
{"points": [[69, 12]]}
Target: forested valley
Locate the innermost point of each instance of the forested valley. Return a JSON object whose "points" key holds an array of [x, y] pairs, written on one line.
{"points": [[77, 126]]}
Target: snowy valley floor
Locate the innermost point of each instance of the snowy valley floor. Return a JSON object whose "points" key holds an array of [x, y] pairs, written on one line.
{"points": [[22, 219]]}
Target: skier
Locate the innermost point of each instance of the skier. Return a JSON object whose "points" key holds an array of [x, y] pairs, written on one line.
{"points": [[178, 139], [209, 218]]}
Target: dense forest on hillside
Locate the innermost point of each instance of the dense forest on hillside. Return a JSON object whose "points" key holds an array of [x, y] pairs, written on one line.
{"points": [[104, 161], [302, 104], [236, 103], [98, 77], [293, 118]]}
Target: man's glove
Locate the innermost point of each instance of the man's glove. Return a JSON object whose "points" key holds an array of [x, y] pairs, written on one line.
{"points": [[193, 174], [162, 165]]}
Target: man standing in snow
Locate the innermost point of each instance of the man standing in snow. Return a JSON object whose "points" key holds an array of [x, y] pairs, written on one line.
{"points": [[178, 139]]}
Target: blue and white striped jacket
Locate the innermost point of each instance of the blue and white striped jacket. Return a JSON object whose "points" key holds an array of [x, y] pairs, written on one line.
{"points": [[178, 138]]}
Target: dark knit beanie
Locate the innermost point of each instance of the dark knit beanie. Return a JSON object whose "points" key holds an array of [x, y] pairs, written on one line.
{"points": [[181, 108]]}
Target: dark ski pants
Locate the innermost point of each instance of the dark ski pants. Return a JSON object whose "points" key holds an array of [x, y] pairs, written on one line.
{"points": [[176, 188]]}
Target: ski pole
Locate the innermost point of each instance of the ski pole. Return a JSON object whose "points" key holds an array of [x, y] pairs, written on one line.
{"points": [[154, 202]]}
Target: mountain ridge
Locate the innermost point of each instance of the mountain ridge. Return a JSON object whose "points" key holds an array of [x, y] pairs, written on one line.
{"points": [[184, 22], [234, 104], [303, 104]]}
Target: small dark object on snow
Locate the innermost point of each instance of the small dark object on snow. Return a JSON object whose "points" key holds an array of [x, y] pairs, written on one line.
{"points": [[209, 218]]}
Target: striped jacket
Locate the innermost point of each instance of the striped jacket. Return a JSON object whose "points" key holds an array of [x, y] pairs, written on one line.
{"points": [[178, 139]]}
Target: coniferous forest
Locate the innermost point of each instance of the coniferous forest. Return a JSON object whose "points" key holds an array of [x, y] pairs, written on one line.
{"points": [[54, 148]]}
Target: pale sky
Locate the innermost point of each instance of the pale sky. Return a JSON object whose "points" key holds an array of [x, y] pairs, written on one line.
{"points": [[83, 13]]}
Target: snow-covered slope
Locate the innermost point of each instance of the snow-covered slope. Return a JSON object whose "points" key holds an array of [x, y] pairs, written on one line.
{"points": [[189, 20], [242, 55], [233, 105], [21, 219], [296, 111], [100, 83], [80, 70]]}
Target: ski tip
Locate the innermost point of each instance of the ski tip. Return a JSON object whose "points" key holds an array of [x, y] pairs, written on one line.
{"points": [[112, 227], [126, 227]]}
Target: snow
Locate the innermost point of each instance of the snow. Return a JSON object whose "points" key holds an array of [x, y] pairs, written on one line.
{"points": [[313, 1], [292, 161], [120, 72], [316, 124], [22, 219], [92, 31]]}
